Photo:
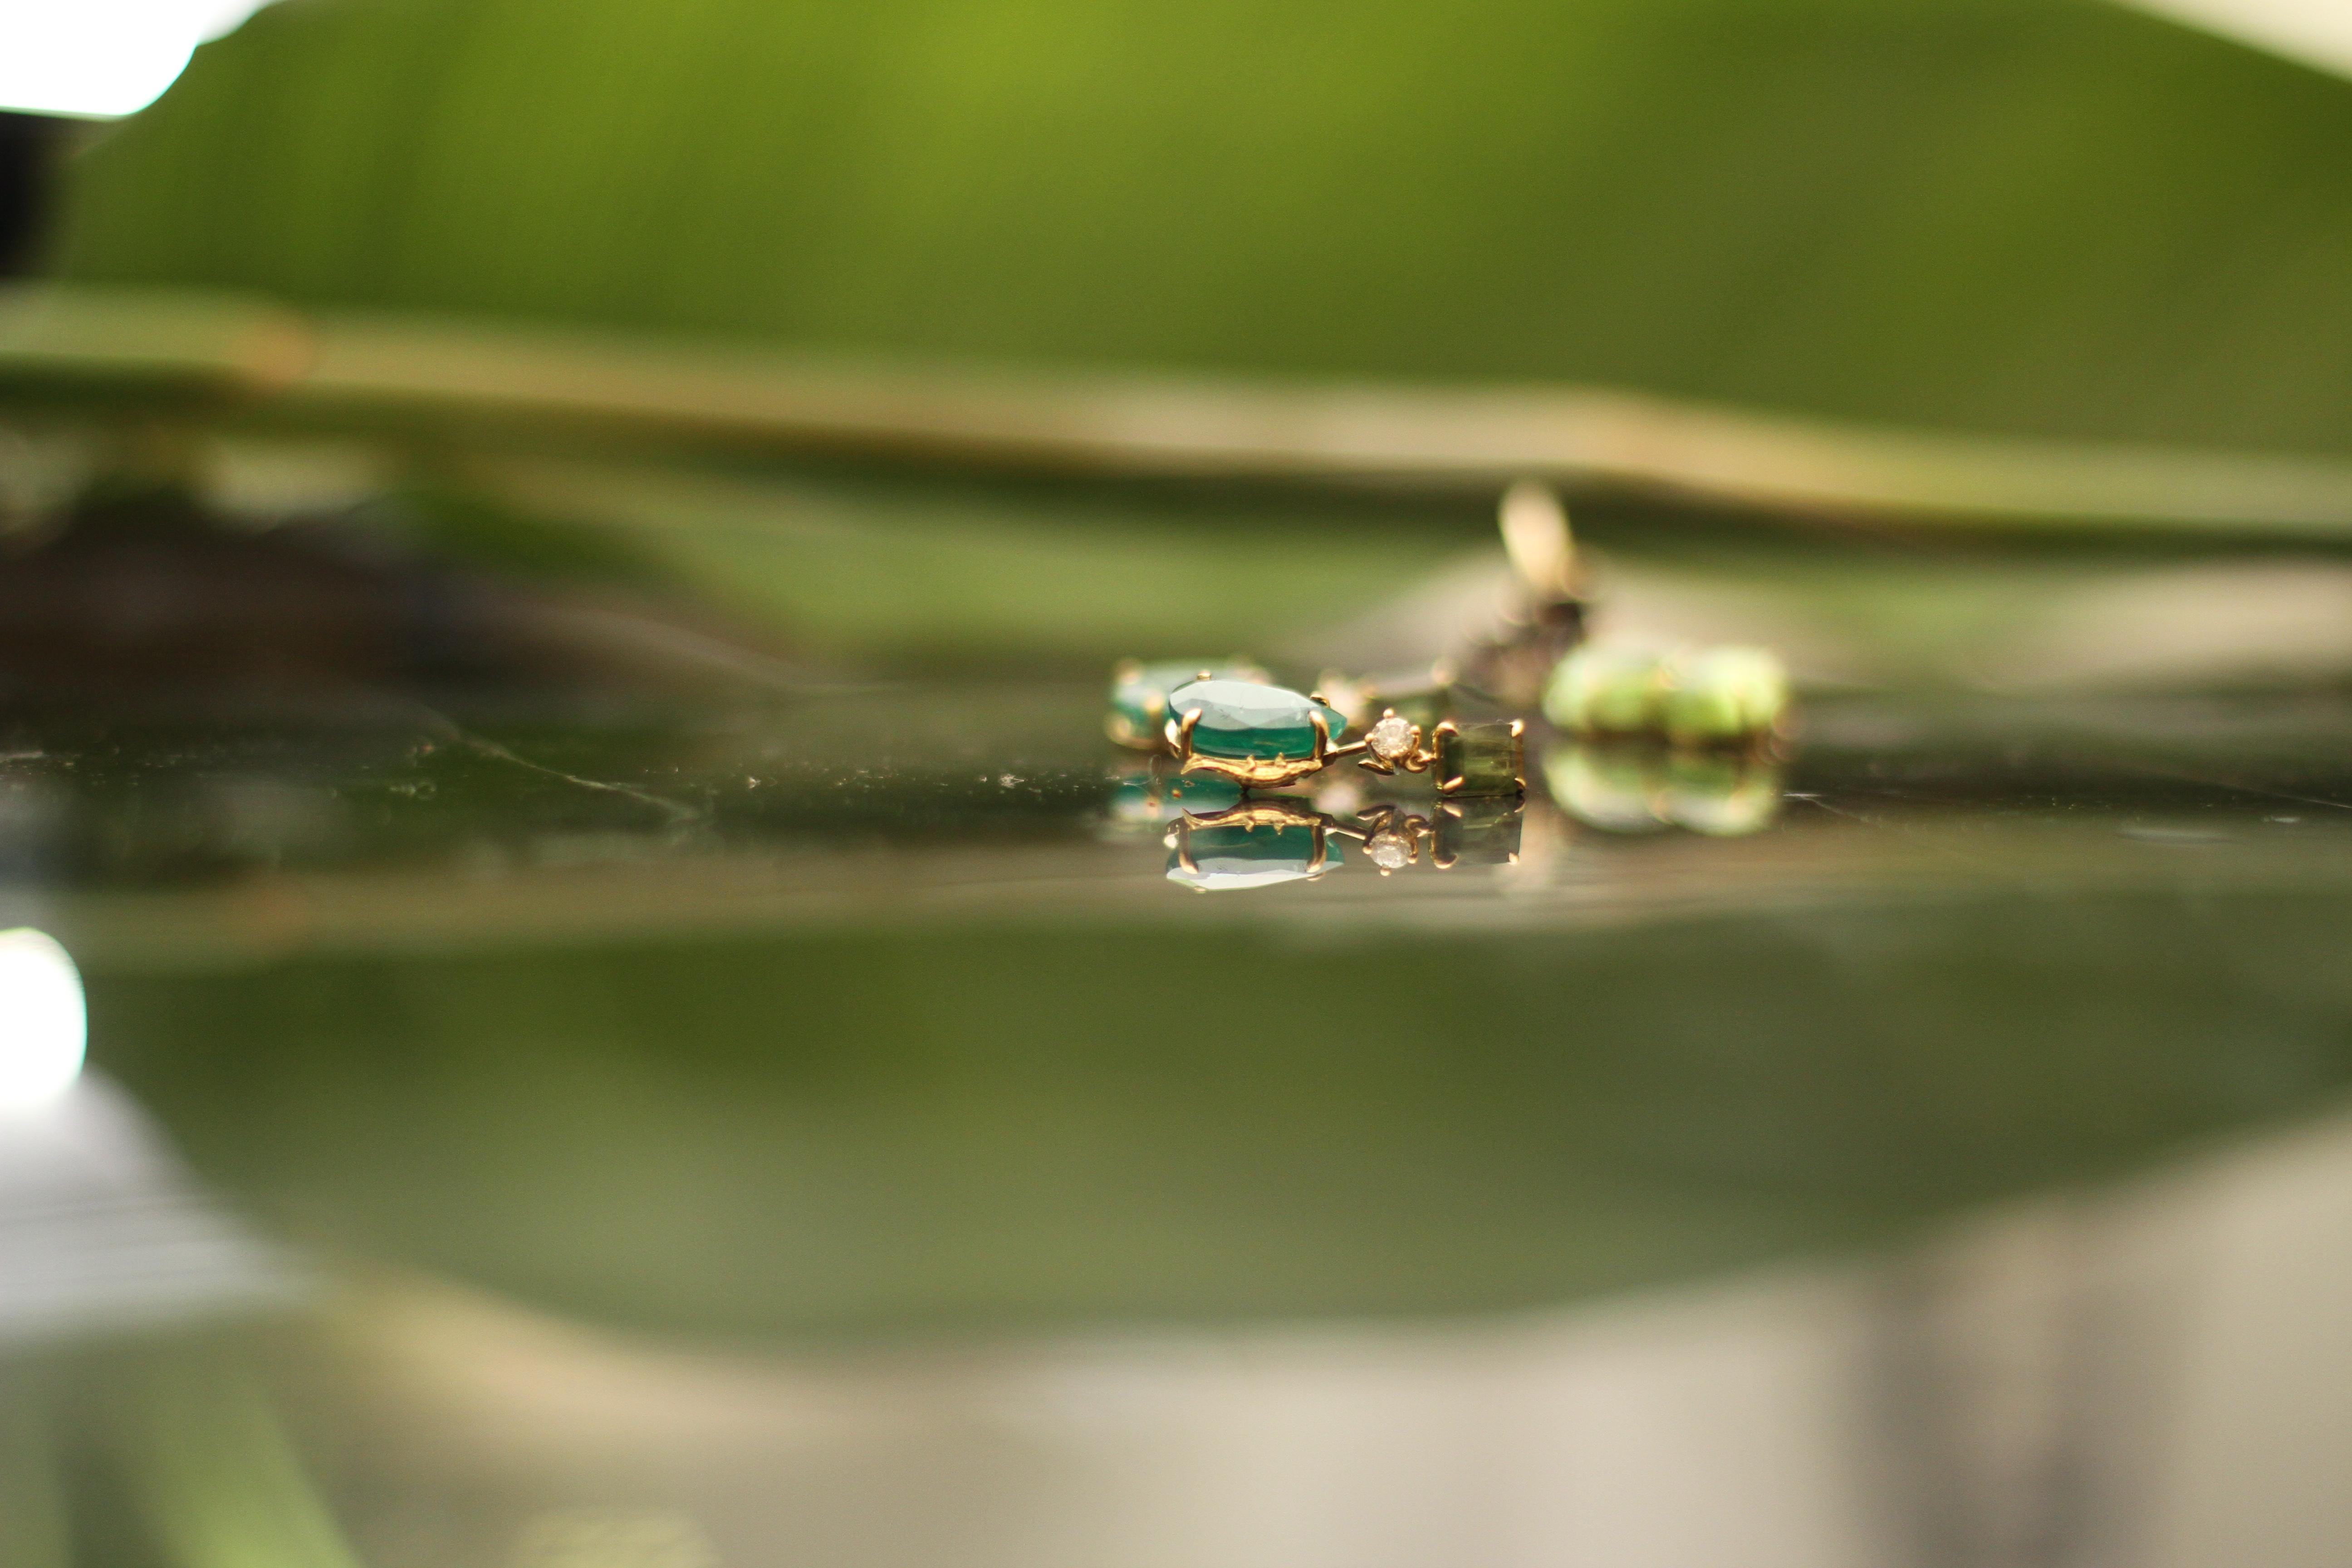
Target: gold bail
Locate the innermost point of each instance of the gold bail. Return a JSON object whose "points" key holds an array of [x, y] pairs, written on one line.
{"points": [[1537, 536]]}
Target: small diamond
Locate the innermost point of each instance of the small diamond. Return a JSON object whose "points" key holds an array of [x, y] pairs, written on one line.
{"points": [[1388, 852], [1390, 739]]}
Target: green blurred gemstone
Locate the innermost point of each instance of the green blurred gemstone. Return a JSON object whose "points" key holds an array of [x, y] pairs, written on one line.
{"points": [[1605, 690], [1489, 759], [1723, 694], [1243, 720]]}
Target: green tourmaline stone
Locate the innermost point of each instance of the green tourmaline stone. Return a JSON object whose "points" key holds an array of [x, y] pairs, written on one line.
{"points": [[1245, 721], [1139, 697], [1489, 759], [1226, 855]]}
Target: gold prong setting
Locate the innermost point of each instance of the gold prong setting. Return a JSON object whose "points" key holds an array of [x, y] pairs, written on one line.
{"points": [[1257, 771], [1393, 743]]}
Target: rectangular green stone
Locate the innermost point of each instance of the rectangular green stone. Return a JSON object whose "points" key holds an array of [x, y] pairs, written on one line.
{"points": [[1489, 759], [1479, 832]]}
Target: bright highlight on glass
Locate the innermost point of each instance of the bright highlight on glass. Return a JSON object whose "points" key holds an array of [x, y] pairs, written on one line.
{"points": [[43, 1027], [99, 59]]}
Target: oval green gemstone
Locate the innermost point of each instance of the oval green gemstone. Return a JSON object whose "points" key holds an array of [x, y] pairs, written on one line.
{"points": [[1245, 721]]}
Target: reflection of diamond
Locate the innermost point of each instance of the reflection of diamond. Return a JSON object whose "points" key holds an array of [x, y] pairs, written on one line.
{"points": [[1390, 739], [1388, 852]]}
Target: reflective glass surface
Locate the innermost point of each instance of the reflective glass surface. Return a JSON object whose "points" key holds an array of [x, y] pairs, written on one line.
{"points": [[818, 1128]]}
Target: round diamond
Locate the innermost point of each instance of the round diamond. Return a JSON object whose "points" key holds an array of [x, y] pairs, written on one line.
{"points": [[1388, 852], [1390, 739]]}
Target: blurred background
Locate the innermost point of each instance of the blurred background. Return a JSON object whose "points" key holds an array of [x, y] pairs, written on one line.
{"points": [[580, 985]]}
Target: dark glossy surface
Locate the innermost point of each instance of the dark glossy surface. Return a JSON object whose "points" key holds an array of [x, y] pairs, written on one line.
{"points": [[860, 1010]]}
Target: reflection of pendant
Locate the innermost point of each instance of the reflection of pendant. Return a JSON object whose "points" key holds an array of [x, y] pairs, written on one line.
{"points": [[1255, 845], [1477, 833], [1636, 786], [1261, 843], [1149, 800]]}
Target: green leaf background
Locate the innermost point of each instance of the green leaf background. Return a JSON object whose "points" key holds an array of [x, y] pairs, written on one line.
{"points": [[2045, 217]]}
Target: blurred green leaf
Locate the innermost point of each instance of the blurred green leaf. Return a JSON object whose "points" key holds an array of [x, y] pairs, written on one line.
{"points": [[2032, 216]]}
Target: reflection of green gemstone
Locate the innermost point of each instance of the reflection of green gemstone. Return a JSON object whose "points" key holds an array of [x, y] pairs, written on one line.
{"points": [[1722, 796], [1242, 719], [1233, 854], [1723, 694], [1609, 786], [1151, 800], [1139, 694], [1202, 794], [1489, 759], [1478, 832]]}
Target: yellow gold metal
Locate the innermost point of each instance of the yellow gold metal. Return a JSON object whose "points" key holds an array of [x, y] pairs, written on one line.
{"points": [[1272, 811], [1447, 727], [1325, 751]]}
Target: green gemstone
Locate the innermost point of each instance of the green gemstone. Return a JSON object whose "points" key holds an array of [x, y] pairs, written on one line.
{"points": [[1605, 690], [1245, 721], [1226, 855], [1138, 693], [1489, 759], [1723, 694]]}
